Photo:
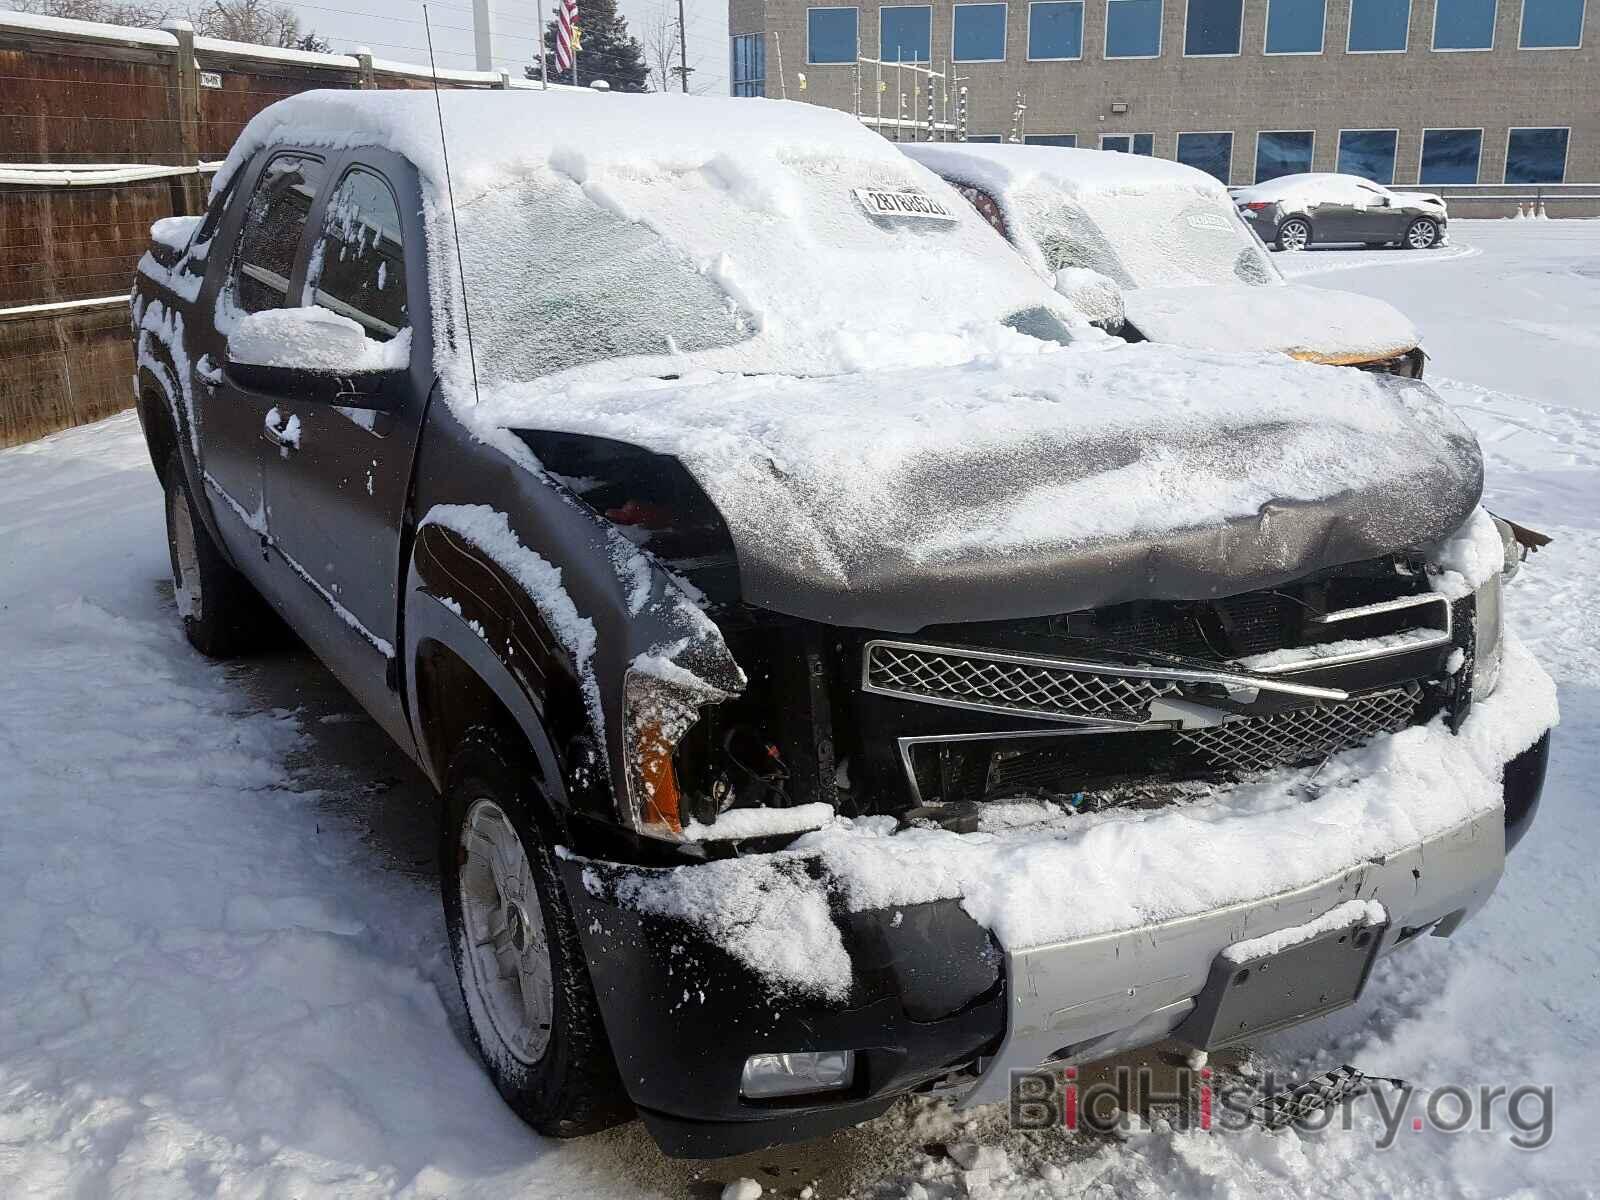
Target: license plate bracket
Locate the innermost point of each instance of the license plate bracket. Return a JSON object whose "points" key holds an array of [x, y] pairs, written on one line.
{"points": [[1243, 999]]}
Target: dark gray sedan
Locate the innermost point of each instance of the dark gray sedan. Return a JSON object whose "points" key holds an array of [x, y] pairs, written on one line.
{"points": [[1295, 211]]}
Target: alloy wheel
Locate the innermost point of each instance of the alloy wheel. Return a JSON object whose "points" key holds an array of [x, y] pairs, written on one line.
{"points": [[1421, 235], [1293, 235], [507, 949]]}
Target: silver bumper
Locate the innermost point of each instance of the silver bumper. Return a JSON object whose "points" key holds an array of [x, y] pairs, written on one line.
{"points": [[1081, 1001]]}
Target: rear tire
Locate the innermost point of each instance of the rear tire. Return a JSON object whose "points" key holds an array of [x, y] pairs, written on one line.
{"points": [[1294, 233], [1422, 234], [223, 615], [518, 958]]}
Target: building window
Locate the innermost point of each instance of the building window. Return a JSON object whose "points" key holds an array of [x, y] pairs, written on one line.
{"points": [[749, 74], [1210, 152], [1450, 155], [1052, 139], [1295, 26], [1551, 25], [979, 33], [1211, 27], [1055, 29], [1368, 153], [1536, 156], [1129, 143], [905, 33], [830, 35], [1464, 25], [1133, 28], [984, 137], [1280, 152], [1379, 26]]}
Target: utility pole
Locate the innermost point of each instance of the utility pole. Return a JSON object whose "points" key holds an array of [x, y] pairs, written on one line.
{"points": [[483, 33], [683, 50]]}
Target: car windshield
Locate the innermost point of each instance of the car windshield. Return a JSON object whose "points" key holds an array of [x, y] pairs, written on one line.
{"points": [[1157, 238], [658, 271]]}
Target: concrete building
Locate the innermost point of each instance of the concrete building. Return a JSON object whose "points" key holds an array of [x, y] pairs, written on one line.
{"points": [[1479, 98]]}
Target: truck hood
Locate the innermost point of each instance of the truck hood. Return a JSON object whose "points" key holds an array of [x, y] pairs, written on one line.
{"points": [[1047, 483], [1309, 323]]}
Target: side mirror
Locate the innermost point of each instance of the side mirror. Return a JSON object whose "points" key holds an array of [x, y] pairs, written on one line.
{"points": [[314, 354], [1095, 295]]}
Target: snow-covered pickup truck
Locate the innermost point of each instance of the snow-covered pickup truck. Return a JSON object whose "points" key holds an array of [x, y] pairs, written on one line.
{"points": [[845, 670]]}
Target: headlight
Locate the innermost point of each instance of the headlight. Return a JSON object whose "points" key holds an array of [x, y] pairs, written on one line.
{"points": [[1488, 628], [660, 705]]}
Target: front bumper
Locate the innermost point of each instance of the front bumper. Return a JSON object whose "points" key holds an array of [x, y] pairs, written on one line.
{"points": [[933, 993]]}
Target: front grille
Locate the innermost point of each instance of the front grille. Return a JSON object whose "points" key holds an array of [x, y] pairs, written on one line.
{"points": [[1305, 734], [997, 683]]}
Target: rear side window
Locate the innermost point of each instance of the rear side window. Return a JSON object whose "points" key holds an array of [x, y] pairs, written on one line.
{"points": [[270, 235], [358, 268]]}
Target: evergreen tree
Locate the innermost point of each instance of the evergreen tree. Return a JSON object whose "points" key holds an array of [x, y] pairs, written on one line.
{"points": [[606, 50]]}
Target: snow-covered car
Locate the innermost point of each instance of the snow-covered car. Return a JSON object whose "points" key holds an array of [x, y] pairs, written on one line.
{"points": [[845, 670], [1155, 250], [1293, 212]]}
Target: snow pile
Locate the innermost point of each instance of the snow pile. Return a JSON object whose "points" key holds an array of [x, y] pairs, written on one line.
{"points": [[175, 232], [1309, 323], [1306, 190], [314, 339], [1081, 875], [760, 822]]}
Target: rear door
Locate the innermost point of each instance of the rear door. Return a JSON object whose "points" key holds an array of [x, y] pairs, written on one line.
{"points": [[337, 492], [268, 237]]}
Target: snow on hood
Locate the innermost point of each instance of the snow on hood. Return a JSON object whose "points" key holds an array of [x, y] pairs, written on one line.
{"points": [[1309, 323], [1024, 485]]}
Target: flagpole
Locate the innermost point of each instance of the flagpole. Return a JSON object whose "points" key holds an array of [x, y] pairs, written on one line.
{"points": [[544, 70]]}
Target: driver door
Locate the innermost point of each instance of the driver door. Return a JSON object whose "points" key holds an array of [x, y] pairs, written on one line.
{"points": [[337, 490]]}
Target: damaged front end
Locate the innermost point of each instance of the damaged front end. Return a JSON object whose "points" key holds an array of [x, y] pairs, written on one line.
{"points": [[759, 986]]}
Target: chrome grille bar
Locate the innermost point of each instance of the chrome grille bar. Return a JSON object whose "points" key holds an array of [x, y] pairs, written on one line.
{"points": [[1051, 689]]}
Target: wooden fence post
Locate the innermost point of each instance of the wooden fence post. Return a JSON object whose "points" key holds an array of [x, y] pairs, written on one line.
{"points": [[364, 75], [186, 108]]}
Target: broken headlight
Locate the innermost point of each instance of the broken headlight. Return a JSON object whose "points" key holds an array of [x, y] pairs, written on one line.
{"points": [[659, 707]]}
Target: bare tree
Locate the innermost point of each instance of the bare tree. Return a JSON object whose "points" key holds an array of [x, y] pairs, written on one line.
{"points": [[112, 12], [659, 36], [258, 21]]}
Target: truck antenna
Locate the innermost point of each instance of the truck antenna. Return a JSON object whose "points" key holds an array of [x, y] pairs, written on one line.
{"points": [[450, 194]]}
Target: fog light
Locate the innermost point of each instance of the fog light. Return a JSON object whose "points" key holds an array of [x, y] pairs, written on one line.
{"points": [[768, 1075]]}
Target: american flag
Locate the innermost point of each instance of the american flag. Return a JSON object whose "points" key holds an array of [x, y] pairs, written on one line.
{"points": [[566, 34]]}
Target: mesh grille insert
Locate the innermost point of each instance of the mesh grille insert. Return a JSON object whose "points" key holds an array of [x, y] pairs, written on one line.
{"points": [[1257, 743], [956, 678]]}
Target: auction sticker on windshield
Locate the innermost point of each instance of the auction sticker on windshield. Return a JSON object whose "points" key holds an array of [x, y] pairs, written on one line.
{"points": [[902, 204]]}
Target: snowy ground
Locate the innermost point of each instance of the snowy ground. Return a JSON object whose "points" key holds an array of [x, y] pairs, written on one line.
{"points": [[221, 960]]}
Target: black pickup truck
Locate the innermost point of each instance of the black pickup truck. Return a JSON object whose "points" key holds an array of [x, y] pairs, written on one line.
{"points": [[814, 630]]}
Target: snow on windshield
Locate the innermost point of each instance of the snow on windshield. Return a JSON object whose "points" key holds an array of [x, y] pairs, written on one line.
{"points": [[1158, 238], [765, 266]]}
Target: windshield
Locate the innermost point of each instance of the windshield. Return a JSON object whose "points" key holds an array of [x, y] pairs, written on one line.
{"points": [[1159, 238], [792, 270]]}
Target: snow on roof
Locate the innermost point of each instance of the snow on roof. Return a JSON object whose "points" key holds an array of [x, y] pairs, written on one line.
{"points": [[1002, 167], [1305, 183]]}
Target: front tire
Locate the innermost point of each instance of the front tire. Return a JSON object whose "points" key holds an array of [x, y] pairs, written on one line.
{"points": [[515, 944], [1294, 233], [223, 616], [1422, 234]]}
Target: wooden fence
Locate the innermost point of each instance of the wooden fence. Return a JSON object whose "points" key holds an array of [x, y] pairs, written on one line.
{"points": [[103, 130]]}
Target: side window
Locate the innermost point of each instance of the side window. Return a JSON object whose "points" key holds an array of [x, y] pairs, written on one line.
{"points": [[270, 235], [358, 266]]}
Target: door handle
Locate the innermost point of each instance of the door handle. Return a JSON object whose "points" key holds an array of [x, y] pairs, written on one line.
{"points": [[285, 436]]}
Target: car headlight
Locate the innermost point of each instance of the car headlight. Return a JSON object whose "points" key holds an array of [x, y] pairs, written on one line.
{"points": [[1488, 629]]}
